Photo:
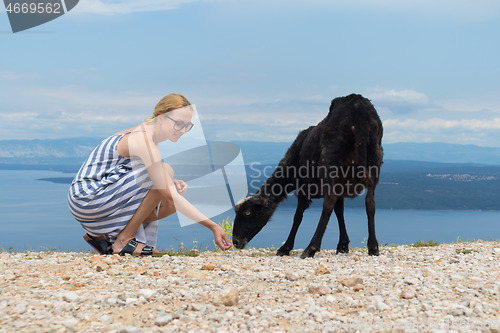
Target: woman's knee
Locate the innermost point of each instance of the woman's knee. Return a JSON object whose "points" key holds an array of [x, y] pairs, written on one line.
{"points": [[167, 208], [154, 192]]}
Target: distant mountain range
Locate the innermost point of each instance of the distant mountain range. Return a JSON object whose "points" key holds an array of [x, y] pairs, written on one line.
{"points": [[52, 148], [442, 153], [29, 151], [413, 176]]}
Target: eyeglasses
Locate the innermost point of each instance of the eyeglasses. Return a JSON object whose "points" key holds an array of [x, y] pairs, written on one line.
{"points": [[180, 125]]}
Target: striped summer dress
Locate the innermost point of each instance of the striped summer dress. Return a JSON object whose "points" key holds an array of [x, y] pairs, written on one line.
{"points": [[107, 191]]}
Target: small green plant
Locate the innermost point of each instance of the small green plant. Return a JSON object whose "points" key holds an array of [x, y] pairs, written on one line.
{"points": [[425, 244], [227, 225], [35, 257], [185, 252], [461, 240], [181, 250], [466, 251]]}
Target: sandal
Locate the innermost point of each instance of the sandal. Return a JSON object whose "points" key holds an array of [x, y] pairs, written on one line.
{"points": [[100, 245], [147, 251]]}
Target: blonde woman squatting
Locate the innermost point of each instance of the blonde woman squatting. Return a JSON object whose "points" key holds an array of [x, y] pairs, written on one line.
{"points": [[124, 188]]}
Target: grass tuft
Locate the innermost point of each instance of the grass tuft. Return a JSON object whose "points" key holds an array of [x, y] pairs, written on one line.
{"points": [[425, 244], [467, 251]]}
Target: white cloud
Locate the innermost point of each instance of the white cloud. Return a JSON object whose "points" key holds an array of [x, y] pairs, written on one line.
{"points": [[264, 114], [262, 119], [75, 110], [56, 112], [407, 96], [483, 132], [412, 116], [406, 105], [256, 135], [398, 101], [438, 124]]}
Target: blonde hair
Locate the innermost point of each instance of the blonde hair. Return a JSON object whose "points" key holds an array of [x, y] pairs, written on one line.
{"points": [[167, 104]]}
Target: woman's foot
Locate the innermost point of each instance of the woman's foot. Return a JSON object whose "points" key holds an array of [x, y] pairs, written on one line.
{"points": [[131, 246], [99, 243]]}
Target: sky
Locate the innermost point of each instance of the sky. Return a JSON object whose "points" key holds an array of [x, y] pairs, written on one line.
{"points": [[256, 70]]}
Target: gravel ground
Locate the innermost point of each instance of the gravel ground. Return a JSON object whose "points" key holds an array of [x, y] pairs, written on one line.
{"points": [[446, 288]]}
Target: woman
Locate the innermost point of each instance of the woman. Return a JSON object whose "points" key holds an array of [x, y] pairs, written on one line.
{"points": [[123, 188]]}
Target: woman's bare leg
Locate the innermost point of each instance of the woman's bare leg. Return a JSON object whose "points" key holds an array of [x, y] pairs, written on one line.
{"points": [[165, 210], [144, 214]]}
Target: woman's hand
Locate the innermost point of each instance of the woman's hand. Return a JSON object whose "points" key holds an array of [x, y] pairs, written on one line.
{"points": [[219, 234], [180, 186], [221, 238]]}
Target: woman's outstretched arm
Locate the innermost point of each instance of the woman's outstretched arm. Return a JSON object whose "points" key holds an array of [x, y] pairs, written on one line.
{"points": [[141, 145]]}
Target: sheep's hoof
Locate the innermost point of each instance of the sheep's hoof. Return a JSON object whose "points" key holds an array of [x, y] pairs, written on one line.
{"points": [[374, 252], [308, 253], [283, 251], [343, 248]]}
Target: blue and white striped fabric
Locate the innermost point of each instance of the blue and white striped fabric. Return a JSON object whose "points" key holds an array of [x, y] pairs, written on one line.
{"points": [[107, 191]]}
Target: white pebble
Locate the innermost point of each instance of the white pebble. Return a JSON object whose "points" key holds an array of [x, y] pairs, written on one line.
{"points": [[71, 297]]}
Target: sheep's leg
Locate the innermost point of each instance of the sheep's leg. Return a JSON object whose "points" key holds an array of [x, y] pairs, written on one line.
{"points": [[315, 244], [343, 245], [370, 212], [302, 205]]}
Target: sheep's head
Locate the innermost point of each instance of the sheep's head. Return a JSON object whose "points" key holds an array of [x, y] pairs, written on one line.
{"points": [[252, 214]]}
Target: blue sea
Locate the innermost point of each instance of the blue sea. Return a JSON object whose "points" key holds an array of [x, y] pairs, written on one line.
{"points": [[34, 216]]}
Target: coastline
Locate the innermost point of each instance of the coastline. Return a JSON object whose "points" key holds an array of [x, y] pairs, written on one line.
{"points": [[451, 286]]}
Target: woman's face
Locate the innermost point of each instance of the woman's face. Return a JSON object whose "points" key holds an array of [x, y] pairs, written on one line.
{"points": [[170, 123]]}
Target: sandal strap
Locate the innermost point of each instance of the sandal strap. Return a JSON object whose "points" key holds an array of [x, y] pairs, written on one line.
{"points": [[129, 247], [147, 251], [132, 245]]}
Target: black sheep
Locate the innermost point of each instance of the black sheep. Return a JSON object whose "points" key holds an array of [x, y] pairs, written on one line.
{"points": [[339, 157]]}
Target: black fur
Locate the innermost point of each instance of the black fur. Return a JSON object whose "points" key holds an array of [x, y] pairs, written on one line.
{"points": [[338, 158]]}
